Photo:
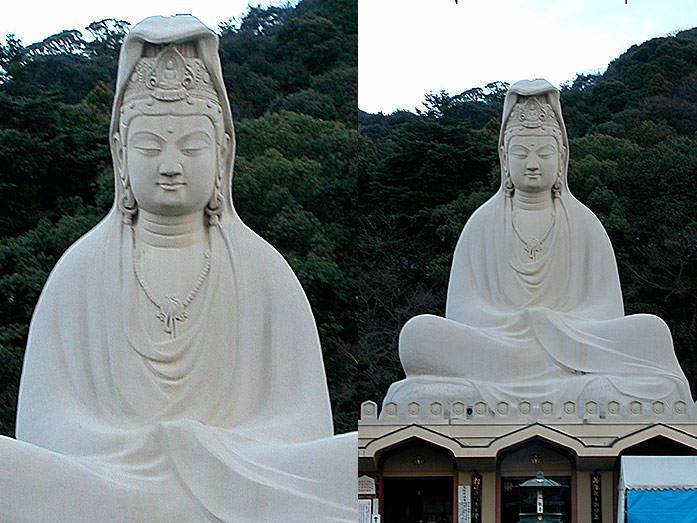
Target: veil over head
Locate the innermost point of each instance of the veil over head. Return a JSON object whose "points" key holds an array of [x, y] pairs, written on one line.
{"points": [[541, 89], [160, 30]]}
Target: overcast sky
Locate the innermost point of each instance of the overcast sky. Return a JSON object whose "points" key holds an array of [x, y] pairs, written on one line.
{"points": [[408, 48], [32, 21]]}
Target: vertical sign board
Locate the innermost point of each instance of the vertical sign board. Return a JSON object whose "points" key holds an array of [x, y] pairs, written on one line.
{"points": [[476, 498], [364, 511], [464, 504], [596, 503], [368, 502]]}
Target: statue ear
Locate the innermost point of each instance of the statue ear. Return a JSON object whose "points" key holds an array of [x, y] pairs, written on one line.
{"points": [[225, 150], [119, 156], [504, 158]]}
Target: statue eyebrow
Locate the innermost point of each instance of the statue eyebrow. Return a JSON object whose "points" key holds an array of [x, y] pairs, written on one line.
{"points": [[195, 134], [150, 134]]}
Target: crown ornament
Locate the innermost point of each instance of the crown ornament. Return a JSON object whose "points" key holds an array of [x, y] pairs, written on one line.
{"points": [[168, 77], [531, 114]]}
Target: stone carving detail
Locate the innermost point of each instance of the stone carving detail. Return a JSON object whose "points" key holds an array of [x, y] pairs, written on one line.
{"points": [[527, 411], [591, 409], [481, 409], [547, 408], [390, 410], [658, 408], [525, 408], [436, 409], [457, 410], [613, 408], [534, 284], [172, 345], [369, 410], [502, 408]]}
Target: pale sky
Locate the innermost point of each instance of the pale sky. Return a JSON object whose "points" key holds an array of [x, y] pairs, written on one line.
{"points": [[408, 48], [32, 21]]}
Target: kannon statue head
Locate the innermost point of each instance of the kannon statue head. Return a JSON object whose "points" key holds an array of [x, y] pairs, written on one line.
{"points": [[171, 143], [532, 144]]}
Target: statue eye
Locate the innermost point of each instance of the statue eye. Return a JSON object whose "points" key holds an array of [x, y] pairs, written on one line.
{"points": [[148, 146], [546, 152], [194, 145], [519, 152]]}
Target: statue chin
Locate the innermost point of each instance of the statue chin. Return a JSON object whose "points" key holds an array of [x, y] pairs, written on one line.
{"points": [[538, 328]]}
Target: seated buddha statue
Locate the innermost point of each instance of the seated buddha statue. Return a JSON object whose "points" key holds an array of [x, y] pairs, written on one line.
{"points": [[534, 307], [173, 370]]}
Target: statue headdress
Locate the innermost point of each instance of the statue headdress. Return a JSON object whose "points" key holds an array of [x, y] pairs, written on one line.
{"points": [[533, 106], [170, 76], [172, 59]]}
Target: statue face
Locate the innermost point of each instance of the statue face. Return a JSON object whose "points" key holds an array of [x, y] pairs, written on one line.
{"points": [[171, 161], [533, 162]]}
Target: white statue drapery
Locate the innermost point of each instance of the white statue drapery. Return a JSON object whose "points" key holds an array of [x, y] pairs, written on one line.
{"points": [[229, 421], [549, 327]]}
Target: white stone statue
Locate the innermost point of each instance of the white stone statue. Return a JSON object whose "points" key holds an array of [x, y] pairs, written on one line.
{"points": [[534, 310], [173, 370]]}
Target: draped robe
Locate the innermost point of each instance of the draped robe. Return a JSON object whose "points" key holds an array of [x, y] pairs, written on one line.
{"points": [[546, 329], [229, 421]]}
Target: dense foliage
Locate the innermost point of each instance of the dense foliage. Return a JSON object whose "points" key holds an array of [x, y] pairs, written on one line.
{"points": [[367, 208], [291, 74], [633, 161]]}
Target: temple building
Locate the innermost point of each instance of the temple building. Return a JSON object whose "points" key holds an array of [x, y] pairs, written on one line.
{"points": [[535, 398]]}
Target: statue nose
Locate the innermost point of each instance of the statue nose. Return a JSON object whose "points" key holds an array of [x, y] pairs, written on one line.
{"points": [[533, 165], [169, 168]]}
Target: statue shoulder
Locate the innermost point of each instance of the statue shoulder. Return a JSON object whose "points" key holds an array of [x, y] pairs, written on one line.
{"points": [[594, 228], [273, 269], [480, 222], [80, 260]]}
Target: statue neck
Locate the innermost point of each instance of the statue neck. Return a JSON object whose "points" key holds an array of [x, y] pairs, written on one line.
{"points": [[170, 231], [530, 201]]}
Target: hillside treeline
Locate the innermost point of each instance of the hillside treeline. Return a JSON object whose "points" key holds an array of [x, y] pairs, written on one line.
{"points": [[633, 161], [291, 75], [366, 208]]}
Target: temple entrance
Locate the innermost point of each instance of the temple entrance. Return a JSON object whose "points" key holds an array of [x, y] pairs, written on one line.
{"points": [[510, 498], [418, 483], [418, 500], [521, 463]]}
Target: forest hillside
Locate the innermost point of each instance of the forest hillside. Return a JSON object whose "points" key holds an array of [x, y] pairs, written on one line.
{"points": [[633, 162], [366, 208], [291, 75]]}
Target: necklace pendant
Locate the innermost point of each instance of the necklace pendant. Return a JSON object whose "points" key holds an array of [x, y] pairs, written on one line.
{"points": [[171, 312], [533, 246]]}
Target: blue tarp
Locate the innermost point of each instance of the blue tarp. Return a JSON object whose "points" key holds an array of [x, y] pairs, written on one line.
{"points": [[661, 506], [657, 489]]}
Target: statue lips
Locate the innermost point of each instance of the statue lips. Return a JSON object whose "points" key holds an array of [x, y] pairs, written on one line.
{"points": [[171, 185]]}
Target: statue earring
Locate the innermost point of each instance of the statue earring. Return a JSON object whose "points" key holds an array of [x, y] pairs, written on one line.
{"points": [[127, 202], [508, 186], [215, 205], [556, 188]]}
